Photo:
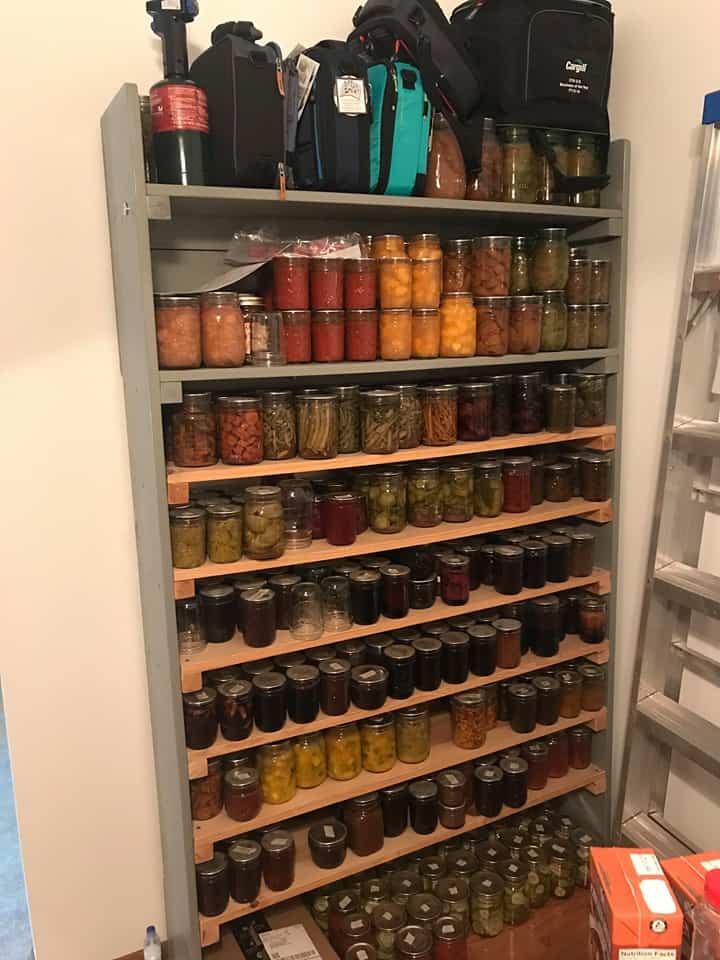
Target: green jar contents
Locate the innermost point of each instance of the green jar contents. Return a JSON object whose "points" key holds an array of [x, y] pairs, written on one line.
{"points": [[559, 408], [577, 290], [348, 418], [516, 903], [457, 493], [487, 895], [520, 283], [538, 881], [279, 427], [454, 894], [411, 421], [551, 259], [224, 532], [318, 426], [387, 919], [263, 523], [519, 166], [599, 281], [188, 537], [583, 161], [595, 475], [591, 398], [553, 154], [578, 327], [424, 495], [563, 870], [387, 512], [599, 325], [583, 842], [488, 488], [380, 421], [553, 333]]}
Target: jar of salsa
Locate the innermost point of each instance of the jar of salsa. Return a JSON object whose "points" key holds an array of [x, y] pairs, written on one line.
{"points": [[327, 283], [328, 336], [396, 334], [364, 821], [223, 330], [298, 338], [278, 859], [241, 430], [360, 284], [516, 485], [291, 282], [361, 334], [177, 324], [469, 719], [426, 334]]}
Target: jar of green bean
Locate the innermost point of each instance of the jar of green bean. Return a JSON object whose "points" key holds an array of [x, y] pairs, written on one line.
{"points": [[279, 427], [488, 488], [318, 426], [348, 418], [380, 421], [411, 418]]}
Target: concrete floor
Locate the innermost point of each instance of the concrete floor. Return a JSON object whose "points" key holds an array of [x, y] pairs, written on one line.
{"points": [[15, 936]]}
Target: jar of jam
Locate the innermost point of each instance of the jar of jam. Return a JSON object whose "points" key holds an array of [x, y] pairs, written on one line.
{"points": [[364, 821], [455, 580], [387, 502], [592, 618], [594, 680], [400, 664], [217, 612], [334, 685], [241, 794], [582, 553], [515, 774], [235, 709], [535, 563], [258, 616], [548, 700], [291, 282], [395, 591], [278, 859], [492, 261], [361, 335], [327, 841], [375, 647], [344, 752], [525, 324], [423, 806], [326, 283], [426, 334], [412, 733], [396, 282], [276, 766], [558, 558], [457, 267], [244, 870], [595, 481], [516, 484], [469, 719], [177, 325], [527, 403], [200, 713], [508, 568], [558, 760], [328, 336], [536, 757], [509, 642], [414, 943], [428, 663], [297, 336], [269, 701], [546, 625], [502, 384], [213, 888], [488, 791], [580, 748], [483, 650], [487, 899], [380, 421], [394, 801], [458, 325], [365, 596], [455, 656], [303, 683], [590, 409], [570, 693], [360, 283], [523, 707], [194, 432], [377, 737]]}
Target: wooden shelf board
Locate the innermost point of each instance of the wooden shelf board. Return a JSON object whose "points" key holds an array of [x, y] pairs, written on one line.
{"points": [[235, 651], [572, 648], [443, 755], [309, 877], [220, 472], [371, 542]]}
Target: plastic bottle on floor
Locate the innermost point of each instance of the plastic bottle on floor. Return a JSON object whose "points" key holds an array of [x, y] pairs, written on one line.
{"points": [[152, 949], [706, 920]]}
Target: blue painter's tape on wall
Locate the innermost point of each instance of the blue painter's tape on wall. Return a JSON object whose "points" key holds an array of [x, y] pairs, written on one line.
{"points": [[711, 112]]}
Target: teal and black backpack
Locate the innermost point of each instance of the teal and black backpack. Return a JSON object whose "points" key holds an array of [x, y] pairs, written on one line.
{"points": [[400, 129]]}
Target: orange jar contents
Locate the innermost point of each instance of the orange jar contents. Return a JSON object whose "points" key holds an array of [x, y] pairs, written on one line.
{"points": [[177, 324], [395, 334], [426, 283], [223, 330], [493, 323], [425, 246], [388, 245], [492, 262], [458, 326], [525, 324], [426, 334], [396, 283], [241, 430]]}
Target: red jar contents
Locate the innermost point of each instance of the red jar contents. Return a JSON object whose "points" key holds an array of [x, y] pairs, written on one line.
{"points": [[558, 755], [291, 282], [298, 339], [455, 580], [341, 519], [328, 336], [361, 335], [516, 485], [326, 283], [360, 284], [361, 513], [475, 411], [536, 756], [241, 430], [580, 748], [449, 939]]}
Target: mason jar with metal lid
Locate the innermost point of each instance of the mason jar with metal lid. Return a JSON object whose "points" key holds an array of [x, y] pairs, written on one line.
{"points": [[487, 895], [380, 421], [563, 870], [269, 693], [213, 885], [516, 903], [217, 612], [454, 895], [303, 683], [413, 734], [177, 325], [200, 713], [263, 523], [387, 919], [413, 943], [194, 432], [550, 260], [188, 537]]}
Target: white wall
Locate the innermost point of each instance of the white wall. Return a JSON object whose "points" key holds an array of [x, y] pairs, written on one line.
{"points": [[72, 654]]}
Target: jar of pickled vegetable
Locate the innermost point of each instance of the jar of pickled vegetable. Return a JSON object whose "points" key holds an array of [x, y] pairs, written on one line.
{"points": [[387, 501], [595, 475], [276, 766], [224, 532], [599, 282], [387, 920], [396, 334], [520, 284], [440, 412], [578, 327], [188, 537], [297, 334], [488, 488], [583, 160], [458, 325], [410, 418], [278, 425], [426, 283], [361, 283], [457, 267], [563, 869], [424, 495], [516, 485], [577, 290], [344, 752], [456, 484], [591, 398], [177, 325], [525, 324], [380, 421], [413, 734], [291, 282], [519, 166], [553, 335], [361, 335], [396, 283], [241, 430], [348, 418], [486, 183], [552, 155], [328, 336], [599, 335], [194, 433], [310, 760], [318, 426], [469, 719], [263, 523], [516, 904], [527, 402], [377, 740], [560, 415], [550, 260], [487, 893]]}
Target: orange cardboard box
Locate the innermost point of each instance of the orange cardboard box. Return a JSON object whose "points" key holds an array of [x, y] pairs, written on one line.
{"points": [[687, 878], [633, 913]]}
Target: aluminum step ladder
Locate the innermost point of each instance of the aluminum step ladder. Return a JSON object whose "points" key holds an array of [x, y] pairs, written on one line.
{"points": [[665, 730]]}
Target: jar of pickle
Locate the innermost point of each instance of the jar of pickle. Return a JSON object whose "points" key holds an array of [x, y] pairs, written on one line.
{"points": [[493, 326], [387, 919], [310, 761], [396, 283], [426, 283], [487, 894], [599, 330], [519, 166], [424, 496], [577, 290], [456, 485], [595, 475], [563, 870], [516, 903], [440, 414], [318, 426], [380, 421], [583, 843], [454, 895], [516, 484], [343, 903], [377, 739], [488, 488], [525, 324], [457, 267], [599, 282], [538, 882], [188, 537], [177, 325], [527, 403], [458, 325], [553, 334], [591, 398], [424, 909], [194, 432], [578, 327], [328, 336], [364, 820], [413, 734], [411, 422], [297, 336], [344, 752], [387, 501], [396, 334], [583, 160], [291, 282], [426, 334], [263, 523], [469, 719], [550, 260], [486, 183], [278, 424], [431, 870], [552, 156], [276, 766]]}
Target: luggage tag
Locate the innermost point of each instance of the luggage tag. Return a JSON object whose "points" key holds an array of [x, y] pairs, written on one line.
{"points": [[350, 96]]}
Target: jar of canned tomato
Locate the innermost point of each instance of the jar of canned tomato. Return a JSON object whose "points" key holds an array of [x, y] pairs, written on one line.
{"points": [[291, 282], [328, 336], [298, 339], [327, 283], [360, 284], [361, 334]]}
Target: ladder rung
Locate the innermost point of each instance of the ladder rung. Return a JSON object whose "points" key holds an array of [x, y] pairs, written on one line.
{"points": [[698, 662], [682, 730], [643, 831], [698, 436], [691, 587]]}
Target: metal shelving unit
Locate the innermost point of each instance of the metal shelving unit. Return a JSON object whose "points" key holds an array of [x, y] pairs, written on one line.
{"points": [[165, 236]]}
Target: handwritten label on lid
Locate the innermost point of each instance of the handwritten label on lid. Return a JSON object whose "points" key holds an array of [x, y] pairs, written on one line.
{"points": [[387, 916], [405, 883], [452, 779], [453, 891], [409, 938], [461, 862], [556, 848], [424, 907], [278, 843], [329, 831], [486, 883], [345, 902], [361, 955], [356, 924], [368, 675], [447, 928]]}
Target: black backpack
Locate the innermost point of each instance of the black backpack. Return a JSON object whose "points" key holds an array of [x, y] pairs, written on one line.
{"points": [[244, 83]]}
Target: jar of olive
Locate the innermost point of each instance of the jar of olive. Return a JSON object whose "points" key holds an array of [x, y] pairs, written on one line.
{"points": [[487, 894], [263, 523], [488, 488], [224, 532], [413, 734], [457, 492], [553, 334], [424, 496], [380, 421], [563, 870], [318, 424], [188, 537], [411, 422], [387, 501], [377, 741], [279, 427]]}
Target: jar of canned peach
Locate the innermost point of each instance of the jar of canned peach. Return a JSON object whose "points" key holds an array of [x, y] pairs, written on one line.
{"points": [[396, 278], [425, 246], [426, 334], [426, 283], [458, 325], [396, 334], [388, 245]]}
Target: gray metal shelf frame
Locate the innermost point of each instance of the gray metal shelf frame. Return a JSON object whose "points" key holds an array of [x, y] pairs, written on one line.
{"points": [[163, 232]]}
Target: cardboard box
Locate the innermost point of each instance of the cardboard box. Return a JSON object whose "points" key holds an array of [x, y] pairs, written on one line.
{"points": [[633, 913], [687, 878]]}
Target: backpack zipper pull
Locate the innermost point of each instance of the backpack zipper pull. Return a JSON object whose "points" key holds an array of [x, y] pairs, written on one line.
{"points": [[282, 181], [280, 77]]}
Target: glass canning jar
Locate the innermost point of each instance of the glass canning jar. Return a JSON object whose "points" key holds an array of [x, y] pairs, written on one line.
{"points": [[516, 903], [559, 408], [348, 418], [412, 732], [426, 283], [486, 183], [341, 519], [548, 700], [527, 403], [583, 160], [558, 558], [360, 283], [223, 330], [525, 321], [446, 175], [267, 339], [373, 892], [583, 842], [297, 501], [276, 766], [509, 642], [423, 909], [388, 245], [592, 618], [235, 709], [535, 563], [352, 937], [194, 432], [342, 903], [538, 863], [240, 425], [458, 325], [557, 482], [516, 485], [558, 762], [474, 411], [424, 497], [440, 413], [423, 796], [217, 612], [242, 795], [303, 682], [364, 820], [297, 336], [188, 537], [521, 264], [519, 166], [580, 748], [365, 596], [410, 416], [368, 686], [454, 895], [563, 869], [336, 604], [582, 553], [190, 633], [263, 525], [455, 655], [469, 719], [590, 410], [455, 581], [399, 659], [599, 325], [177, 325], [595, 475], [328, 336], [380, 421], [536, 757], [553, 334], [334, 682], [523, 707], [426, 334], [428, 663], [394, 801], [493, 326], [488, 790], [278, 425], [508, 569], [414, 943], [291, 282], [396, 283], [550, 260], [387, 919], [488, 488], [594, 689], [396, 334], [487, 900], [599, 281], [245, 871], [492, 263], [422, 592], [515, 772], [387, 510], [457, 267], [278, 859], [578, 327], [456, 484], [578, 288], [552, 153], [269, 700], [344, 752], [318, 426], [377, 739], [570, 693], [326, 283], [327, 841], [200, 716], [483, 650], [546, 625], [213, 889], [502, 384], [361, 335], [306, 619]]}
